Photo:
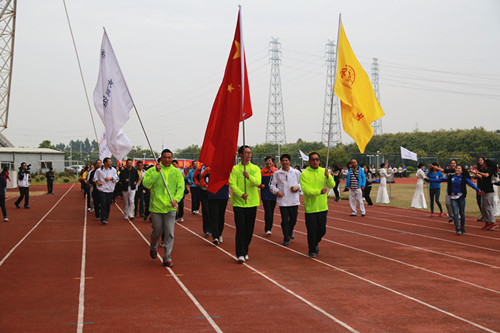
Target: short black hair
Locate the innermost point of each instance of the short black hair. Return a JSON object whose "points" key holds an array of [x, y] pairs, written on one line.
{"points": [[420, 165], [175, 161], [241, 150], [166, 151], [129, 159], [382, 165], [285, 156], [139, 162], [269, 157], [314, 153], [106, 159]]}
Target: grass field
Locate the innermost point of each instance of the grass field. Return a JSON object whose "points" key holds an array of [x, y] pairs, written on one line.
{"points": [[402, 194]]}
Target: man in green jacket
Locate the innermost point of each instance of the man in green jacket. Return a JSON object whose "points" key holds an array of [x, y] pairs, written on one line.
{"points": [[162, 209], [244, 182], [312, 182]]}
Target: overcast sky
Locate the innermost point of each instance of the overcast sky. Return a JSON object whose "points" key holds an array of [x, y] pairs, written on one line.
{"points": [[439, 64]]}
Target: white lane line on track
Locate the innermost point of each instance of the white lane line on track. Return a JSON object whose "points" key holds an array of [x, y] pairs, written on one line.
{"points": [[413, 233], [179, 282], [338, 321], [378, 285], [32, 229], [436, 220], [399, 243], [398, 261], [81, 296]]}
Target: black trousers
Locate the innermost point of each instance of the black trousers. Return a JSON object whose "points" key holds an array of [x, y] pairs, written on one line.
{"points": [[269, 206], [2, 202], [366, 195], [205, 211], [24, 194], [217, 208], [195, 198], [336, 188], [50, 186], [244, 219], [180, 211], [316, 229], [139, 201], [97, 202], [288, 220], [106, 201]]}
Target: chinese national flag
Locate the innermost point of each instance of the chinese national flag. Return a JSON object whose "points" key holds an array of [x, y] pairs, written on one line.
{"points": [[357, 99], [233, 99]]}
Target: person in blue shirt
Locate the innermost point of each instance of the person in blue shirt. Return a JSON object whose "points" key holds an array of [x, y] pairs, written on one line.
{"points": [[435, 187], [195, 190], [356, 182], [457, 191]]}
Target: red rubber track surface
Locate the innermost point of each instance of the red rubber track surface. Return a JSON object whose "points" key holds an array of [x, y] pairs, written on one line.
{"points": [[394, 270]]}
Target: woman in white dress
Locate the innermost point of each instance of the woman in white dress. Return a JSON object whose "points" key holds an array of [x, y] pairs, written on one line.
{"points": [[382, 195], [419, 197]]}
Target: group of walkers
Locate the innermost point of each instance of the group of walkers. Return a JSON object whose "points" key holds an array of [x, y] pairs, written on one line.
{"points": [[156, 194], [457, 179]]}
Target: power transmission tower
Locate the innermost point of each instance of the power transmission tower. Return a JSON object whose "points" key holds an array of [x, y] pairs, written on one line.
{"points": [[377, 124], [336, 130], [275, 130]]}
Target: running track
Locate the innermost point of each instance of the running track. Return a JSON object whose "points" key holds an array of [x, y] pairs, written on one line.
{"points": [[395, 270]]}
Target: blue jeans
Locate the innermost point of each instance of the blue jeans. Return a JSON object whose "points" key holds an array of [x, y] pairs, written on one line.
{"points": [[434, 194], [458, 206]]}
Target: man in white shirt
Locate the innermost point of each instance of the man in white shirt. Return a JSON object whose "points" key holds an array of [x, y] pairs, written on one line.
{"points": [[23, 184], [105, 178], [285, 184]]}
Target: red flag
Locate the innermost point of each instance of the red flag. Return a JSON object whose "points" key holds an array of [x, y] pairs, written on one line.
{"points": [[221, 137]]}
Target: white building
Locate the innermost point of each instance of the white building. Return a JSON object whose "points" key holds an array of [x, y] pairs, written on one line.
{"points": [[41, 159]]}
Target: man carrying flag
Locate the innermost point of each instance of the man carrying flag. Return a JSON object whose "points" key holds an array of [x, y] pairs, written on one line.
{"points": [[358, 102], [231, 106]]}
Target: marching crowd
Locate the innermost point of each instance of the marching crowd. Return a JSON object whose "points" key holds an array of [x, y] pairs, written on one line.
{"points": [[156, 194]]}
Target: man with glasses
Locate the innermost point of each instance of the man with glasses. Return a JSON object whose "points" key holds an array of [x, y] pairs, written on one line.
{"points": [[315, 189]]}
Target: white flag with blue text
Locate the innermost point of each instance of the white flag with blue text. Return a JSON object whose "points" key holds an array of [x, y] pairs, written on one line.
{"points": [[409, 155], [112, 101]]}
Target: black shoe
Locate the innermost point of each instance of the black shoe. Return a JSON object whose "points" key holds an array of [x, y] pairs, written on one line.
{"points": [[317, 249], [168, 263], [312, 255], [17, 205], [363, 214], [27, 207], [153, 254], [216, 241], [286, 243], [450, 220], [104, 222], [292, 236]]}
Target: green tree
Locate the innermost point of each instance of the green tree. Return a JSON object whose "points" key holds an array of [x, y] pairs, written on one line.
{"points": [[46, 144]]}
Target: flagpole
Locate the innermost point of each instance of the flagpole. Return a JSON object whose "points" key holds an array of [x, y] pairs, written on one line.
{"points": [[333, 96], [242, 57], [81, 72], [140, 121]]}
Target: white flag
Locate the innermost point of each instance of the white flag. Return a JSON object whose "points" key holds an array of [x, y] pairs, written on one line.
{"points": [[304, 156], [112, 101], [103, 147], [406, 154]]}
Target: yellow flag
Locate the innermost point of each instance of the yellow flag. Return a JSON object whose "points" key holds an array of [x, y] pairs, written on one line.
{"points": [[357, 99]]}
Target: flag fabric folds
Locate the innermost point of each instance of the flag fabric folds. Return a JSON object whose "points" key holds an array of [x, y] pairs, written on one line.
{"points": [[221, 137], [112, 101], [409, 155], [303, 156], [358, 102]]}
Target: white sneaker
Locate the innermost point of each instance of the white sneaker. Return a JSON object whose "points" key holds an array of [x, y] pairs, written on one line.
{"points": [[125, 217], [246, 257], [220, 239], [181, 219], [268, 232], [6, 219], [241, 260]]}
